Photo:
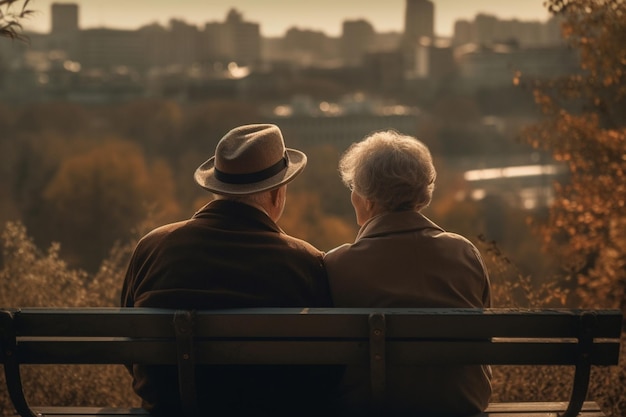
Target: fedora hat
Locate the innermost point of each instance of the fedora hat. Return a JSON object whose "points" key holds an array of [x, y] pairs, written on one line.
{"points": [[250, 159]]}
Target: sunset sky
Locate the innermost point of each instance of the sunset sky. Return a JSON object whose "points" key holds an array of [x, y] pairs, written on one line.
{"points": [[276, 16]]}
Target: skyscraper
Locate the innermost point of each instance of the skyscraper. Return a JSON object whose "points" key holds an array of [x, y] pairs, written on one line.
{"points": [[64, 18], [232, 40], [245, 38], [419, 20], [356, 37], [64, 33]]}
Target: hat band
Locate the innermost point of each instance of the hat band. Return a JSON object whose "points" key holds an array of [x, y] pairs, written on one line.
{"points": [[253, 176]]}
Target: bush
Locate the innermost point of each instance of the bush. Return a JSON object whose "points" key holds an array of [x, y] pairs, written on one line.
{"points": [[32, 278], [511, 288]]}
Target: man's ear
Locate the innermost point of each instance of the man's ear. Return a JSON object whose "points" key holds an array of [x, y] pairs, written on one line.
{"points": [[275, 196]]}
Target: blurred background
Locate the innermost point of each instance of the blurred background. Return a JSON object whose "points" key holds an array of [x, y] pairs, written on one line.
{"points": [[107, 108], [102, 126]]}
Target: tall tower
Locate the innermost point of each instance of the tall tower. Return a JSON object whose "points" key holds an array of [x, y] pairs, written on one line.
{"points": [[244, 39], [64, 18], [419, 20], [356, 38], [232, 40]]}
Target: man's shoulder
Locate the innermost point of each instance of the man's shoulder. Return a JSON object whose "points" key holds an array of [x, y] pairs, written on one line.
{"points": [[161, 232], [167, 228], [299, 245], [337, 252]]}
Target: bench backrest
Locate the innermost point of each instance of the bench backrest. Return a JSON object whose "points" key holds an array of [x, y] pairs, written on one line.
{"points": [[311, 336]]}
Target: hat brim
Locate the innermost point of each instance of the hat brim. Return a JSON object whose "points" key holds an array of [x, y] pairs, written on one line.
{"points": [[205, 177]]}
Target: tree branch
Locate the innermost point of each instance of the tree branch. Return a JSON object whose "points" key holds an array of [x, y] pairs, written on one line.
{"points": [[10, 20]]}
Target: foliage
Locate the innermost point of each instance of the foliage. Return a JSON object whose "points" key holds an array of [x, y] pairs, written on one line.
{"points": [[10, 26], [322, 177], [511, 288], [103, 194], [305, 218], [27, 270], [34, 278], [30, 277], [153, 122], [585, 128]]}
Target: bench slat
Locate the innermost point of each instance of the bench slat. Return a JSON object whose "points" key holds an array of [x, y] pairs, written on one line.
{"points": [[89, 411], [431, 323], [517, 409], [540, 406], [311, 352]]}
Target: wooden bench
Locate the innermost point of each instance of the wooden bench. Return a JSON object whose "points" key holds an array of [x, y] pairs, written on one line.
{"points": [[311, 336]]}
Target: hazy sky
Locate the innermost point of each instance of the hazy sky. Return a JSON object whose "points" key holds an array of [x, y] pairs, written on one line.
{"points": [[276, 16]]}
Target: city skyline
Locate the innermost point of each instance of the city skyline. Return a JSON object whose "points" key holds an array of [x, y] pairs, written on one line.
{"points": [[277, 16]]}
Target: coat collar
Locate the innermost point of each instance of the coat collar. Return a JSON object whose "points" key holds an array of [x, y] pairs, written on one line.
{"points": [[245, 214], [395, 222]]}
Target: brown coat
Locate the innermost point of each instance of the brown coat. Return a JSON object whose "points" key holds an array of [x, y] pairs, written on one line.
{"points": [[402, 259], [228, 255]]}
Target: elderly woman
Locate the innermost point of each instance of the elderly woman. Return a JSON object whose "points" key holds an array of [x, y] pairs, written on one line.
{"points": [[402, 259]]}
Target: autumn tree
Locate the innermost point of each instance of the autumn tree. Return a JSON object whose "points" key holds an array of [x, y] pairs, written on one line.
{"points": [[585, 128], [155, 124], [102, 195], [64, 117]]}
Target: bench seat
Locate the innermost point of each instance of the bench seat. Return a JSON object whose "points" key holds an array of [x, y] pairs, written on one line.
{"points": [[517, 409]]}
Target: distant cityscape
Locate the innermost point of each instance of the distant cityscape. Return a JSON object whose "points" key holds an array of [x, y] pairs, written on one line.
{"points": [[107, 64], [320, 89]]}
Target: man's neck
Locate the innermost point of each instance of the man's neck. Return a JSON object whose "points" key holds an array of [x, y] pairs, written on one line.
{"points": [[247, 202]]}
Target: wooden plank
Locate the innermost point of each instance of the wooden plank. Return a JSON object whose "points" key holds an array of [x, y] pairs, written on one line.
{"points": [[538, 409], [538, 414], [118, 350], [497, 323], [428, 323], [517, 409], [552, 406], [89, 411], [79, 322], [510, 353]]}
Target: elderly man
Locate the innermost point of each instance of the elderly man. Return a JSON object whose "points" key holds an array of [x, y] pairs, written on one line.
{"points": [[231, 254]]}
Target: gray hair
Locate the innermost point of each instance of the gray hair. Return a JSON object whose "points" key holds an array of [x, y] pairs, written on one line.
{"points": [[395, 171]]}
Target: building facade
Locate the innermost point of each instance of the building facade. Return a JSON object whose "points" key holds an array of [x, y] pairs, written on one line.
{"points": [[419, 20], [64, 18], [357, 38]]}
